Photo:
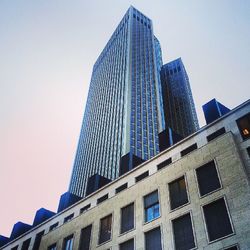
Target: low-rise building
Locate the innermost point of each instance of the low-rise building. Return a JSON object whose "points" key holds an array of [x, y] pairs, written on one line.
{"points": [[194, 195]]}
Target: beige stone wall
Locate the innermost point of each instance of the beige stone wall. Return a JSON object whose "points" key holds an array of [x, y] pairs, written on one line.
{"points": [[235, 189]]}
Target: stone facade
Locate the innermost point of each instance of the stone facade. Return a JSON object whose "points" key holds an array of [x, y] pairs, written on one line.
{"points": [[228, 151]]}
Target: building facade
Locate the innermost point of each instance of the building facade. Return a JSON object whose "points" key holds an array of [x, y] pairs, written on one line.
{"points": [[123, 112], [179, 108], [194, 195]]}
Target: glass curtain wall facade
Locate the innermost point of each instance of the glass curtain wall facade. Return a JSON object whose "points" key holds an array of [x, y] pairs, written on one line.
{"points": [[124, 108], [179, 109]]}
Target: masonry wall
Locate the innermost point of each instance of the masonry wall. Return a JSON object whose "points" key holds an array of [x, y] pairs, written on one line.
{"points": [[235, 189]]}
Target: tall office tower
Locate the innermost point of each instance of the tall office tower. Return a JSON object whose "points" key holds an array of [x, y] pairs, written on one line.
{"points": [[179, 109], [123, 114]]}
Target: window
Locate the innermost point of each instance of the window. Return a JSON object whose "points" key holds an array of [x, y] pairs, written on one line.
{"points": [[38, 240], [121, 188], [178, 193], [25, 245], [14, 248], [153, 239], [231, 248], [248, 151], [105, 229], [53, 227], [164, 163], [141, 176], [85, 208], [217, 220], [216, 134], [244, 126], [188, 149], [68, 218], [151, 206], [127, 218], [207, 177], [103, 198], [183, 233], [52, 247], [85, 238], [68, 243], [128, 245]]}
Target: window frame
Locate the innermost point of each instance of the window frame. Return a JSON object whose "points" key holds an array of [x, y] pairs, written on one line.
{"points": [[228, 247], [144, 214], [53, 226], [54, 245], [160, 225], [66, 238], [192, 224], [187, 190], [229, 216], [216, 134], [84, 209], [120, 233], [124, 241], [68, 218], [91, 236], [184, 152], [219, 177], [240, 131], [99, 231]]}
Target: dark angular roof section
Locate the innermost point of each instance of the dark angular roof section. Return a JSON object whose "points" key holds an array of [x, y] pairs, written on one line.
{"points": [[66, 200], [42, 215], [18, 229]]}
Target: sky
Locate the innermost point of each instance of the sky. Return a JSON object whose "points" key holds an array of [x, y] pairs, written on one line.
{"points": [[47, 51]]}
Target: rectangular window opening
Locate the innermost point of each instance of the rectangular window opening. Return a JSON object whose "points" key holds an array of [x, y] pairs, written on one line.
{"points": [[68, 218], [121, 188], [208, 179], [85, 208], [103, 198], [151, 206], [128, 245], [68, 243], [248, 151], [189, 149], [178, 193], [85, 238], [26, 244], [141, 176], [105, 229], [244, 126], [164, 163], [54, 226], [217, 220], [183, 232], [38, 240], [216, 134], [127, 218], [153, 239], [52, 247]]}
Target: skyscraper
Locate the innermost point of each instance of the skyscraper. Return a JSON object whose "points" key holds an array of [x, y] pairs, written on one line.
{"points": [[123, 114], [179, 109]]}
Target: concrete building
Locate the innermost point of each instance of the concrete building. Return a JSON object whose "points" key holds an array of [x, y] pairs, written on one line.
{"points": [[194, 195]]}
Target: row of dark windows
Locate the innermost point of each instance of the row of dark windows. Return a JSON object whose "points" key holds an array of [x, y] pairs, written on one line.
{"points": [[217, 220], [206, 185], [140, 20], [173, 71], [207, 178], [216, 216]]}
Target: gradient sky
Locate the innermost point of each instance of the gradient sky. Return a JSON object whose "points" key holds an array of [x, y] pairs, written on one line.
{"points": [[47, 51]]}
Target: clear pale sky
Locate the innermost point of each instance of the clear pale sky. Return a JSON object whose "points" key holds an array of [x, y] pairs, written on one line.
{"points": [[47, 51]]}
